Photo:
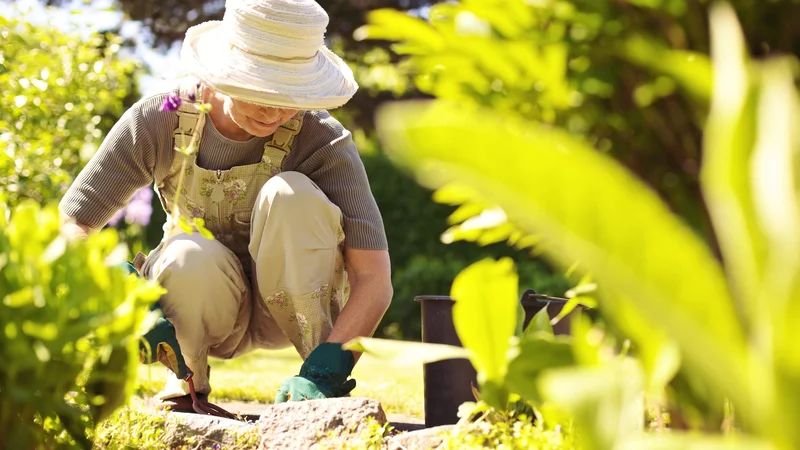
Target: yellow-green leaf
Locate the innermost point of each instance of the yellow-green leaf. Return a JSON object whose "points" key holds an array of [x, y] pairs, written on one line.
{"points": [[484, 314], [540, 323]]}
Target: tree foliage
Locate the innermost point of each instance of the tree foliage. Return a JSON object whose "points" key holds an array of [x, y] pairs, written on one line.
{"points": [[629, 76], [60, 95]]}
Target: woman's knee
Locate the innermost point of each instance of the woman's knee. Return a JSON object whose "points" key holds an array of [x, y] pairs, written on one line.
{"points": [[202, 278], [289, 194], [193, 257]]}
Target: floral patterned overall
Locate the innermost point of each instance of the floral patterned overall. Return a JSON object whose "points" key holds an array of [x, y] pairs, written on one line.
{"points": [[298, 309]]}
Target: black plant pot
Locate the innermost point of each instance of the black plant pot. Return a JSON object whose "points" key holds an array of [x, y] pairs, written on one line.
{"points": [[450, 383]]}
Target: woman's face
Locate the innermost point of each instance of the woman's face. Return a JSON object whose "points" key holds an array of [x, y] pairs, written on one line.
{"points": [[256, 120]]}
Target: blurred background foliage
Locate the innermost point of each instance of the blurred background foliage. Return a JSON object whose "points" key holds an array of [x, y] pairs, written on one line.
{"points": [[605, 70], [60, 95]]}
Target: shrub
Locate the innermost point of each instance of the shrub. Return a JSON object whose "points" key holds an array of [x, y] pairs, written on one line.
{"points": [[60, 94], [70, 321]]}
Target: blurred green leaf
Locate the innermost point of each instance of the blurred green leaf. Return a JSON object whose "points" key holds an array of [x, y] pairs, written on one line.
{"points": [[729, 138], [776, 194], [19, 298], [63, 309], [750, 177], [200, 225], [484, 315], [691, 70], [661, 360], [395, 25]]}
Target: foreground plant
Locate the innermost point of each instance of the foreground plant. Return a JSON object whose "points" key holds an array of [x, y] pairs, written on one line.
{"points": [[506, 430], [70, 320], [731, 330]]}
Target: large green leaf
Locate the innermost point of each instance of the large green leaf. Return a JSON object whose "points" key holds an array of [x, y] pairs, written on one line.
{"points": [[586, 208], [729, 137], [776, 194], [751, 178], [485, 314]]}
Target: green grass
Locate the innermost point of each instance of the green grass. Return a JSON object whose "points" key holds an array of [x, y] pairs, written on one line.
{"points": [[255, 377]]}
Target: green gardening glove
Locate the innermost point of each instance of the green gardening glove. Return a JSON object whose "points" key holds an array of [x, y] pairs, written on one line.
{"points": [[324, 374], [160, 343]]}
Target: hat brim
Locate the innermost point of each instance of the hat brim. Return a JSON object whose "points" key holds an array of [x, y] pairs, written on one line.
{"points": [[322, 82]]}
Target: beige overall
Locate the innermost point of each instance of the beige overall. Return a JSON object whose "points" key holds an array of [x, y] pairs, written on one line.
{"points": [[274, 275]]}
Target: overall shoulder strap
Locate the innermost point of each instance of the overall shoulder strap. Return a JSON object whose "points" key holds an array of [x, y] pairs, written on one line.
{"points": [[276, 149], [188, 118]]}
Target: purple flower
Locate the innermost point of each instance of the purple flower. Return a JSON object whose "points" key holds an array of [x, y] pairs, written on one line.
{"points": [[172, 102], [140, 208], [138, 213]]}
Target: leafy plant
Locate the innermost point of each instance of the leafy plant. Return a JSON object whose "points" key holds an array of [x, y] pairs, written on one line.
{"points": [[70, 319], [512, 431], [730, 328], [60, 94]]}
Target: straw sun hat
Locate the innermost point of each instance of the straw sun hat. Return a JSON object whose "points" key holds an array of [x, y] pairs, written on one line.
{"points": [[270, 52]]}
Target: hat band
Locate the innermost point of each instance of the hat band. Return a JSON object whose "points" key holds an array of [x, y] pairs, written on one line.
{"points": [[276, 58]]}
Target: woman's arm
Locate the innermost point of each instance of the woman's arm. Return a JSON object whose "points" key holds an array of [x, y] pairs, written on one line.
{"points": [[369, 274], [126, 161]]}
